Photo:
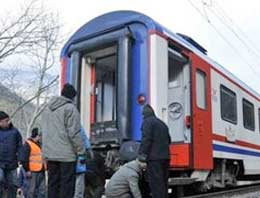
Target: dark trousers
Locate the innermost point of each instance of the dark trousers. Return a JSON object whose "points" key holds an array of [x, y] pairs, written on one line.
{"points": [[94, 185], [158, 178], [61, 179]]}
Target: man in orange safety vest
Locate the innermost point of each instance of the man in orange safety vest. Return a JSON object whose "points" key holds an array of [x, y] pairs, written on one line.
{"points": [[34, 165]]}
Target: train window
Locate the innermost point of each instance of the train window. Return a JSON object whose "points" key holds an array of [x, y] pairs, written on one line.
{"points": [[201, 89], [228, 105], [248, 115]]}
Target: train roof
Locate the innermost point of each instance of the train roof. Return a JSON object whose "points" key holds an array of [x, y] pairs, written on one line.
{"points": [[110, 21], [117, 19]]}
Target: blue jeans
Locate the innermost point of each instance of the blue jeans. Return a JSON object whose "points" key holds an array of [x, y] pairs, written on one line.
{"points": [[8, 182], [37, 187], [80, 186]]}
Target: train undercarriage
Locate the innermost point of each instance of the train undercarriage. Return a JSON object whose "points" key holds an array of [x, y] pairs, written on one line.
{"points": [[227, 173]]}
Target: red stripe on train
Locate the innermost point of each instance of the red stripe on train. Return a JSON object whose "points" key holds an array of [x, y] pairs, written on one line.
{"points": [[237, 142]]}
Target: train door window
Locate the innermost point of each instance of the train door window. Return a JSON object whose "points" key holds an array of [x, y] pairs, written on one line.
{"points": [[228, 105], [175, 73], [248, 115], [201, 89], [105, 89]]}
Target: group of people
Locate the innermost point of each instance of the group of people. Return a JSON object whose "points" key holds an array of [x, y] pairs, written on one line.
{"points": [[61, 148]]}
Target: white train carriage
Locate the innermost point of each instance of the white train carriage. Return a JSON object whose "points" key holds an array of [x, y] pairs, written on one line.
{"points": [[122, 60]]}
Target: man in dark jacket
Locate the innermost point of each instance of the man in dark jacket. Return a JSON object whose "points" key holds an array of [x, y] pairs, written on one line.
{"points": [[10, 147], [34, 165], [62, 144], [154, 149]]}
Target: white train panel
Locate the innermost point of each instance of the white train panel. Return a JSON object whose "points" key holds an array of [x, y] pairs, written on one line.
{"points": [[236, 142], [159, 76]]}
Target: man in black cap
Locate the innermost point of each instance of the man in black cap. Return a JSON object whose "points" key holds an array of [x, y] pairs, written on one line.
{"points": [[10, 148], [154, 149], [62, 144], [34, 165]]}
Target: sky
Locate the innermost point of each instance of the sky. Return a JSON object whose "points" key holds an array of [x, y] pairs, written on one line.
{"points": [[229, 30]]}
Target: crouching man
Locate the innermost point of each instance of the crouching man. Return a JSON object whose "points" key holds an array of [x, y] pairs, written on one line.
{"points": [[124, 183]]}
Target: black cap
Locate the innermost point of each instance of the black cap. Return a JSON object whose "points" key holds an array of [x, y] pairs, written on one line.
{"points": [[3, 115], [142, 158], [35, 132], [68, 91], [147, 111]]}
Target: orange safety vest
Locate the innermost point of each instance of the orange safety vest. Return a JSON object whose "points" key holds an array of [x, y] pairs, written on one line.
{"points": [[35, 160]]}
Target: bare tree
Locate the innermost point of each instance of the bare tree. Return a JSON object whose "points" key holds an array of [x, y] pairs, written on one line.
{"points": [[9, 77], [19, 32], [36, 41], [43, 57]]}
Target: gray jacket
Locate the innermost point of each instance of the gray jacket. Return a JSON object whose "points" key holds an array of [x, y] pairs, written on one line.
{"points": [[125, 182], [60, 124]]}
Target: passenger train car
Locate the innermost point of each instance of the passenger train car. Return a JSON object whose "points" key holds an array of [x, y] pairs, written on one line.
{"points": [[122, 60]]}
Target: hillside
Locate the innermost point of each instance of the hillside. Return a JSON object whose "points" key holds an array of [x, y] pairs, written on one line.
{"points": [[9, 102]]}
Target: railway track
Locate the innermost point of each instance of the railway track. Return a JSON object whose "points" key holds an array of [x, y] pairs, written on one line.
{"points": [[229, 193]]}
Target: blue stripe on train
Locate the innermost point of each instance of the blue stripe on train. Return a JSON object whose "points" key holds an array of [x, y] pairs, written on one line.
{"points": [[227, 149]]}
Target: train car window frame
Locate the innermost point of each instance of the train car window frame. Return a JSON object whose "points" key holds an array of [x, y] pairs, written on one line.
{"points": [[201, 89], [104, 86], [249, 126], [226, 104]]}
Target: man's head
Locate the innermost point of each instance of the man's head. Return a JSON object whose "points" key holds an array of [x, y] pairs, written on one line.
{"points": [[68, 91], [4, 120], [35, 135], [142, 164], [147, 111]]}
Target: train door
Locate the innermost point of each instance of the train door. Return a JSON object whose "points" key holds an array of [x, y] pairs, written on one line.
{"points": [[170, 96], [201, 114], [179, 110], [104, 88], [178, 97]]}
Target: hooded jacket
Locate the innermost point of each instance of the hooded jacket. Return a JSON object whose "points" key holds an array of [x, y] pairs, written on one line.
{"points": [[155, 137], [61, 139], [125, 182], [10, 147]]}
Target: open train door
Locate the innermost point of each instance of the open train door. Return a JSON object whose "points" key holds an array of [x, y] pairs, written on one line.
{"points": [[201, 114]]}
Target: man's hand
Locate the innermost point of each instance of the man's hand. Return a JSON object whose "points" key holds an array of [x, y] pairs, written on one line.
{"points": [[19, 192], [81, 164], [81, 159], [28, 174]]}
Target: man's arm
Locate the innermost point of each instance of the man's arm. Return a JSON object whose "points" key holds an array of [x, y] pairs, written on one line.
{"points": [[134, 186], [19, 145], [24, 159], [85, 138], [72, 122], [146, 141]]}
